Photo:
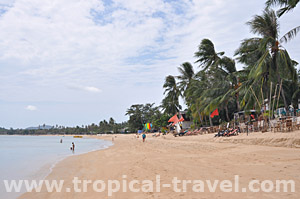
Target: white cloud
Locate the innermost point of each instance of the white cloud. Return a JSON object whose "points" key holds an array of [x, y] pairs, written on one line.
{"points": [[91, 89], [31, 108]]}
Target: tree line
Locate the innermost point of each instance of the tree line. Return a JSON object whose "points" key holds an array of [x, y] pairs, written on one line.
{"points": [[268, 71]]}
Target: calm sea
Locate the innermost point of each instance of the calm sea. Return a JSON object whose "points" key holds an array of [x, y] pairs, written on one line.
{"points": [[33, 157]]}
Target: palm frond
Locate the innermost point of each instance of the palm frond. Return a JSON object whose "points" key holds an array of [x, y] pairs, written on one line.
{"points": [[290, 35], [286, 5]]}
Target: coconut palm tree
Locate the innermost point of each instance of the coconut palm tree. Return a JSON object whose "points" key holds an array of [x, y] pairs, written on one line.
{"points": [[207, 55], [194, 92], [186, 75], [222, 92], [170, 103], [222, 79], [273, 58]]}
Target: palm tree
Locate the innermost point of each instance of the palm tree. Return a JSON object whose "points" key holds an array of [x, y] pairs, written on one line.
{"points": [[229, 70], [170, 103], [221, 77], [135, 114], [207, 55], [273, 59], [222, 92], [194, 92], [286, 5], [186, 75], [111, 121]]}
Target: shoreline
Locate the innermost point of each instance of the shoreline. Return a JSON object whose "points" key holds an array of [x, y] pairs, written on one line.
{"points": [[183, 157], [43, 166], [53, 165]]}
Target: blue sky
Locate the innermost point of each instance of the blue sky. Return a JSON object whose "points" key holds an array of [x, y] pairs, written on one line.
{"points": [[76, 62]]}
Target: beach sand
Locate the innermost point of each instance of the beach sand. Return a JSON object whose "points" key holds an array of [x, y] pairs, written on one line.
{"points": [[259, 156]]}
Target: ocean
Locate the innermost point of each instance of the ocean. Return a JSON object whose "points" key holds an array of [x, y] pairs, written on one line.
{"points": [[33, 157]]}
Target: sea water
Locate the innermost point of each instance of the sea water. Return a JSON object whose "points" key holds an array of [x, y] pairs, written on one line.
{"points": [[33, 157]]}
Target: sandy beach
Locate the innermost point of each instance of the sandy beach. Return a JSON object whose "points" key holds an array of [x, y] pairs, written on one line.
{"points": [[268, 156]]}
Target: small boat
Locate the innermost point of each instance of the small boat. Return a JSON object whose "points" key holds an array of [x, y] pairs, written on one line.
{"points": [[77, 136]]}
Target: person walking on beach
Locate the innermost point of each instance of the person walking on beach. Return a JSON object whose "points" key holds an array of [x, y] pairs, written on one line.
{"points": [[144, 137]]}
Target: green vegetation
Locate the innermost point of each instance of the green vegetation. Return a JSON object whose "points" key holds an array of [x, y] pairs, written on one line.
{"points": [[103, 127], [218, 84], [140, 114]]}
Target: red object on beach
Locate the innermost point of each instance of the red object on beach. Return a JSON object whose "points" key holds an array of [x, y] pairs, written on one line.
{"points": [[213, 114], [181, 119], [174, 119]]}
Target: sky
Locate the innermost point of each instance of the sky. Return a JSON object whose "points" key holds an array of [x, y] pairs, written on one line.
{"points": [[77, 62]]}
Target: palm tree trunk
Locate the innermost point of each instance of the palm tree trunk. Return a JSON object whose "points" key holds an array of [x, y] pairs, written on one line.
{"points": [[279, 81], [282, 93], [237, 96], [210, 121], [237, 102], [227, 115], [199, 114]]}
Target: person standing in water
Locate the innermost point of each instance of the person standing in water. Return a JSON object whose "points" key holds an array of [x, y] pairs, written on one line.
{"points": [[73, 146], [144, 136]]}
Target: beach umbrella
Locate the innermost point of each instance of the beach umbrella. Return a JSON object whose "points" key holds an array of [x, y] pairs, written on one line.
{"points": [[148, 126], [174, 119]]}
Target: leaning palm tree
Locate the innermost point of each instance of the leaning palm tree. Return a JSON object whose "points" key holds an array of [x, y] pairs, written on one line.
{"points": [[222, 78], [286, 5], [207, 55], [193, 93], [273, 63], [222, 92], [186, 75], [170, 103], [232, 76]]}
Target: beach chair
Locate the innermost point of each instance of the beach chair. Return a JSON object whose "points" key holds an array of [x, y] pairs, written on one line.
{"points": [[216, 129], [233, 132], [277, 126], [194, 132], [288, 125], [199, 131], [298, 125], [191, 132], [294, 123], [255, 126], [188, 133], [272, 125]]}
